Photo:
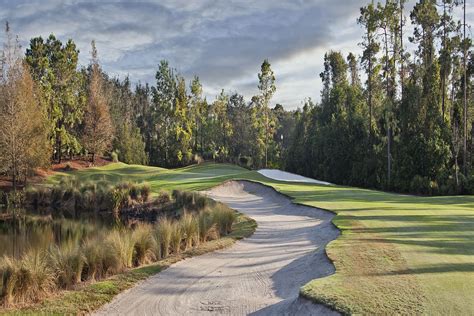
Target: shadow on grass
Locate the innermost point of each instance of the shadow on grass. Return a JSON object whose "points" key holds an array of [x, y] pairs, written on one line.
{"points": [[435, 268]]}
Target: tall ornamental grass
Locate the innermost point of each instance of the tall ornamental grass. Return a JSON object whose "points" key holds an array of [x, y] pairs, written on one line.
{"points": [[37, 274]]}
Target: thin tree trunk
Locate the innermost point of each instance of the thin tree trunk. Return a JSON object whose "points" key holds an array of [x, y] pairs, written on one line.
{"points": [[389, 97], [443, 73], [369, 88], [402, 70], [465, 95]]}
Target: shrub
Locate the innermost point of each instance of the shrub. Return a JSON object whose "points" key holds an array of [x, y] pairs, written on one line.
{"points": [[190, 229], [163, 197], [145, 245], [184, 198], [145, 192], [224, 217], [25, 280], [207, 228], [67, 263], [245, 161], [93, 255], [420, 185], [163, 234], [118, 198], [111, 260], [10, 271], [190, 200], [134, 192], [201, 201], [122, 246], [178, 197], [176, 238]]}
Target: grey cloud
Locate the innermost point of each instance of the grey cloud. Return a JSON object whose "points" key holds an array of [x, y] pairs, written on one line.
{"points": [[224, 42]]}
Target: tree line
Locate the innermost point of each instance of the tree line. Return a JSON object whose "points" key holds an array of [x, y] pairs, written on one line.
{"points": [[406, 126], [409, 126], [71, 111]]}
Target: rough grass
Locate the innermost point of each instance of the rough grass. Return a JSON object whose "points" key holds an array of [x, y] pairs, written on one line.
{"points": [[89, 297], [396, 254]]}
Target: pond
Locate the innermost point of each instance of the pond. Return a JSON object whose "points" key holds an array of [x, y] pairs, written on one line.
{"points": [[36, 227], [24, 233]]}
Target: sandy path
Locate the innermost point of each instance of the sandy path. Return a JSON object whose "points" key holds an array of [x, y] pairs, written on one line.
{"points": [[279, 175], [260, 275]]}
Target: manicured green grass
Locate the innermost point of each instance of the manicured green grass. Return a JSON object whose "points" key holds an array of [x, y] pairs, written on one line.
{"points": [[187, 178], [396, 254]]}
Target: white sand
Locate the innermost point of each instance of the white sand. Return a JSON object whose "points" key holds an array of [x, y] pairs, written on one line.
{"points": [[260, 275], [279, 175]]}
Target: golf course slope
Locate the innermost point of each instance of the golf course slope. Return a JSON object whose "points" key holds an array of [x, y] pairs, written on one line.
{"points": [[260, 275]]}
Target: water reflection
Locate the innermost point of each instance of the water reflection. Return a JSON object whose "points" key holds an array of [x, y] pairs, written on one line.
{"points": [[31, 232]]}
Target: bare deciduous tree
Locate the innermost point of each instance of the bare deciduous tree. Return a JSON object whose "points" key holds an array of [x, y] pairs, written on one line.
{"points": [[23, 132], [98, 129]]}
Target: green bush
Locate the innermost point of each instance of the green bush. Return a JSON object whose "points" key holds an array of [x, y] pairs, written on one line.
{"points": [[420, 185]]}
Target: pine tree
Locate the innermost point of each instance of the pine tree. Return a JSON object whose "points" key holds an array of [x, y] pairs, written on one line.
{"points": [[54, 68], [369, 20], [267, 88]]}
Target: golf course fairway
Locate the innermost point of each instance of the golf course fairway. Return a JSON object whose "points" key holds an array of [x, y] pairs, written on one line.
{"points": [[397, 254]]}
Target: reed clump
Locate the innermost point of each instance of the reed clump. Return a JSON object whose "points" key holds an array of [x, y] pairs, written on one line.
{"points": [[35, 275]]}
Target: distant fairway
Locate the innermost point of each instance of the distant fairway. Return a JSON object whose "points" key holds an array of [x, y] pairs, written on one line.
{"points": [[396, 253]]}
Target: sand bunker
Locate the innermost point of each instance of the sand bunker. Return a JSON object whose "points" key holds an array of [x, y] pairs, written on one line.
{"points": [[260, 275], [279, 175]]}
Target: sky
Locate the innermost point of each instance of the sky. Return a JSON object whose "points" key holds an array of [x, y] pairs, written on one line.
{"points": [[223, 42]]}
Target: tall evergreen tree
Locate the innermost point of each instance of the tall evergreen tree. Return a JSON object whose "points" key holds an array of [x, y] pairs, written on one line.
{"points": [[163, 98], [267, 88], [54, 67]]}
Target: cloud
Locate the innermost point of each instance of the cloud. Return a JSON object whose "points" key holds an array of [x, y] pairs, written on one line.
{"points": [[224, 42]]}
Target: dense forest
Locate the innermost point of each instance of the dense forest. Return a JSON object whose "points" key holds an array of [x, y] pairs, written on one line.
{"points": [[390, 119]]}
